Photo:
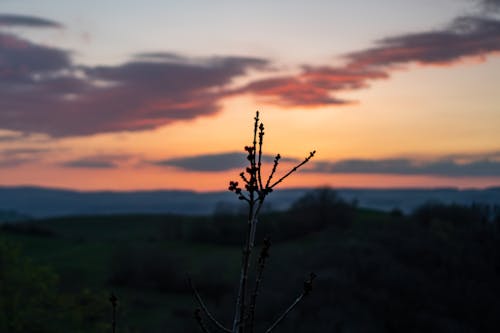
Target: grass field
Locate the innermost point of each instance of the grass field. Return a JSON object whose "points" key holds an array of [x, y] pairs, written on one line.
{"points": [[380, 273]]}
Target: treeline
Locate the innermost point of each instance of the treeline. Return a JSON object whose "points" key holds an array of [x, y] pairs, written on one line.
{"points": [[314, 212]]}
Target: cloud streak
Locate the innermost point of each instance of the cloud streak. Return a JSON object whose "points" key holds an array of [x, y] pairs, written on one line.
{"points": [[96, 162], [447, 167], [458, 165], [14, 20], [214, 162], [17, 156]]}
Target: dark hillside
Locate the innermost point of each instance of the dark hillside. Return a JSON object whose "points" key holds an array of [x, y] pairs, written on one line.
{"points": [[377, 271]]}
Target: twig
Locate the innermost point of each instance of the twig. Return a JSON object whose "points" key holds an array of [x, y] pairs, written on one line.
{"points": [[295, 168], [200, 322], [259, 165], [275, 166], [305, 292], [205, 309]]}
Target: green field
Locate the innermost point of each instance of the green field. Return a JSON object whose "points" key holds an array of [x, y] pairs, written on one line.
{"points": [[378, 272]]}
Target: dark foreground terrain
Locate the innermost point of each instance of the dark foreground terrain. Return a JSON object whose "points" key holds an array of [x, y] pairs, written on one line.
{"points": [[437, 270]]}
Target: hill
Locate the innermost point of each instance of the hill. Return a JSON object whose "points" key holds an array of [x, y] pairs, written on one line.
{"points": [[16, 202]]}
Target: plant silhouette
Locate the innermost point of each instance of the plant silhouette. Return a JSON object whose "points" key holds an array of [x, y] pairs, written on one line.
{"points": [[255, 191]]}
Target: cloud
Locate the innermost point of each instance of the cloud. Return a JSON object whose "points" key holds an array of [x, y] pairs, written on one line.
{"points": [[17, 156], [14, 20], [466, 37], [8, 136], [95, 162], [447, 167], [319, 86], [313, 87], [41, 90], [214, 162], [21, 61], [489, 4]]}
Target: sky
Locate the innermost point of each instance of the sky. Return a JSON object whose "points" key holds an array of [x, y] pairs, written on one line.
{"points": [[129, 95]]}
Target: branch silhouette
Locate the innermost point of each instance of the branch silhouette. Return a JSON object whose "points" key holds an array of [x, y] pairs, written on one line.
{"points": [[254, 193]]}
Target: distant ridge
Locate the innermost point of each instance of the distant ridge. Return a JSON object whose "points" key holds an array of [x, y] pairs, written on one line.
{"points": [[40, 202]]}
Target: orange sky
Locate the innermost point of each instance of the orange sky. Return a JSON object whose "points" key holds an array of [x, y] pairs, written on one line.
{"points": [[414, 106]]}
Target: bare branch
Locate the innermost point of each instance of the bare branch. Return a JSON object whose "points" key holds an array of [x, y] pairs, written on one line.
{"points": [[255, 127], [259, 164], [275, 166], [254, 195], [287, 311], [305, 292], [295, 168], [205, 309], [247, 251], [264, 254]]}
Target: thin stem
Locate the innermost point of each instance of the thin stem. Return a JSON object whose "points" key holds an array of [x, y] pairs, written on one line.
{"points": [[205, 309], [305, 292], [255, 127], [295, 168], [273, 171], [287, 311], [261, 141], [240, 303], [264, 254]]}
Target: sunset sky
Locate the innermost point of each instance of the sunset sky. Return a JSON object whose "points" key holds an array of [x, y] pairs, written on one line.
{"points": [[157, 94]]}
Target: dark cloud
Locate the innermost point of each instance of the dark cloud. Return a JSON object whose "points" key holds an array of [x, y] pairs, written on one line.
{"points": [[465, 37], [93, 162], [489, 4], [42, 91], [318, 86], [14, 20], [160, 56], [214, 162], [442, 167], [21, 61]]}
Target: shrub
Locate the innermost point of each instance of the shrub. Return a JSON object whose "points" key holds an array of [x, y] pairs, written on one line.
{"points": [[457, 215], [147, 268], [320, 208], [30, 300]]}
